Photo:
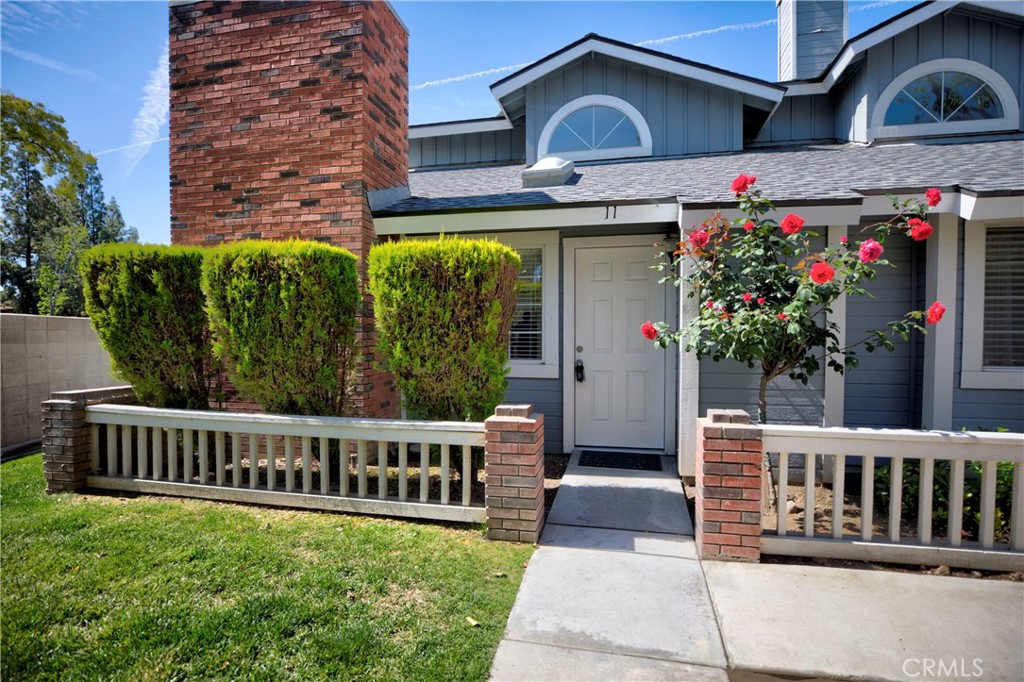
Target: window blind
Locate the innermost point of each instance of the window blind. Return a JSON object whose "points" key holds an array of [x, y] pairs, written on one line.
{"points": [[1004, 297], [525, 339]]}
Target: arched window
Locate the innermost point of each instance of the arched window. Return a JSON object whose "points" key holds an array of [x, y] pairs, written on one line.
{"points": [[945, 97], [595, 127]]}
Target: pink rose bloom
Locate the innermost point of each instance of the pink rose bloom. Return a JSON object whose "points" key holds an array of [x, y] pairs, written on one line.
{"points": [[792, 224], [783, 316], [761, 300], [699, 239], [749, 225], [919, 229], [742, 183], [709, 304], [747, 296], [870, 251], [844, 240], [934, 196]]}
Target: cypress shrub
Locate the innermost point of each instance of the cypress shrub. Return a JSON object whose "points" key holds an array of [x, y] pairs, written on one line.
{"points": [[443, 310], [283, 318], [146, 304]]}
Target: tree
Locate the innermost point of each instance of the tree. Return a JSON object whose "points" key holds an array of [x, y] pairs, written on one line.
{"points": [[767, 294], [39, 135], [59, 283], [28, 208], [114, 228], [92, 206]]}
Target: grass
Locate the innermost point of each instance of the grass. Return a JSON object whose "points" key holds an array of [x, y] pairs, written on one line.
{"points": [[146, 588]]}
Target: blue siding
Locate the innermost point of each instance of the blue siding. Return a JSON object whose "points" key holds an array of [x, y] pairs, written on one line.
{"points": [[497, 146], [800, 119], [954, 34], [820, 35], [684, 116], [546, 397], [979, 408], [880, 391]]}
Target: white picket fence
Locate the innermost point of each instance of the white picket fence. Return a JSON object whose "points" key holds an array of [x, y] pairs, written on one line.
{"points": [[163, 451], [818, 445]]}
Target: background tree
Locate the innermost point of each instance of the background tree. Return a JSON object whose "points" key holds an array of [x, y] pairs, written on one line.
{"points": [[114, 228], [39, 135], [59, 285], [28, 208], [92, 206]]}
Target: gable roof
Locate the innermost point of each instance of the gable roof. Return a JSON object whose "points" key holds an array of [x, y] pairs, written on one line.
{"points": [[861, 43], [808, 173], [640, 56]]}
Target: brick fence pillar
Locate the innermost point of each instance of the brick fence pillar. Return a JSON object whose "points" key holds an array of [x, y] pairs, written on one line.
{"points": [[66, 434], [515, 473], [729, 484]]}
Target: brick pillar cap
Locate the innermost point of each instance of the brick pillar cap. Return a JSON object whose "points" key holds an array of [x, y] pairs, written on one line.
{"points": [[521, 411], [728, 417]]}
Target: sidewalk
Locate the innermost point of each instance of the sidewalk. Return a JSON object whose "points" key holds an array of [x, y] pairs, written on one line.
{"points": [[615, 592]]}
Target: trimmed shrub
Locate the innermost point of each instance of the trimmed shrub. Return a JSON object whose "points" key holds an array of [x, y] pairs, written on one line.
{"points": [[282, 316], [444, 309], [147, 307]]}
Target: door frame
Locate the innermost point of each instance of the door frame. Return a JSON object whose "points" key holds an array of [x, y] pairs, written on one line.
{"points": [[569, 247]]}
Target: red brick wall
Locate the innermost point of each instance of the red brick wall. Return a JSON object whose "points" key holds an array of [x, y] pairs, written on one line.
{"points": [[283, 116], [729, 483]]}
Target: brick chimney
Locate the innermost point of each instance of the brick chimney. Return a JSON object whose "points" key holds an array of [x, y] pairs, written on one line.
{"points": [[811, 33], [290, 120]]}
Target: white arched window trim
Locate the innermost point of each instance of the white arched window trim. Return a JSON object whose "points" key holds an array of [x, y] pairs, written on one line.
{"points": [[1007, 98], [621, 105]]}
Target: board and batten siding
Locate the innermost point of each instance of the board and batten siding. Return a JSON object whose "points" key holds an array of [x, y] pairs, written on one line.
{"points": [[685, 116], [993, 44], [493, 146], [976, 408], [881, 390], [802, 118]]}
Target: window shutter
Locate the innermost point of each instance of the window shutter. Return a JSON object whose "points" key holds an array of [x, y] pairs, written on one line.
{"points": [[1004, 297]]}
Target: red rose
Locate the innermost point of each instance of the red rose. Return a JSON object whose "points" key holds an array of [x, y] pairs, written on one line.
{"points": [[648, 330], [792, 224], [743, 182], [709, 304], [870, 251], [822, 273], [747, 296], [699, 239], [934, 196], [844, 240], [919, 230], [935, 312], [783, 316], [761, 300], [749, 225]]}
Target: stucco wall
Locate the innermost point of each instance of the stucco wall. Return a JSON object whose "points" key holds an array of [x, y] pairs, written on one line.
{"points": [[42, 354]]}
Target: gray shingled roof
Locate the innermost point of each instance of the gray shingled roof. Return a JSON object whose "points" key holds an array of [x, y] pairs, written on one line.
{"points": [[804, 173]]}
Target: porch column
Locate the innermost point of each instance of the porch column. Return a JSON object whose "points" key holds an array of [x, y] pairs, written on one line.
{"points": [[835, 383], [514, 456], [940, 342]]}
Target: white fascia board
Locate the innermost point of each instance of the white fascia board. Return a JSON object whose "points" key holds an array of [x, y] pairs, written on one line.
{"points": [[642, 58], [991, 208], [459, 128], [798, 89], [530, 219], [816, 215], [880, 205]]}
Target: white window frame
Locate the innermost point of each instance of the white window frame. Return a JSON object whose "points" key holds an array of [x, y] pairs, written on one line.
{"points": [[621, 105], [972, 373], [1002, 89]]}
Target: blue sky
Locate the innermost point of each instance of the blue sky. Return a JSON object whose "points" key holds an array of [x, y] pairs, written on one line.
{"points": [[102, 65]]}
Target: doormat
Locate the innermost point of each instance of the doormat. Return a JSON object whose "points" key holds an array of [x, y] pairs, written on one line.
{"points": [[619, 460]]}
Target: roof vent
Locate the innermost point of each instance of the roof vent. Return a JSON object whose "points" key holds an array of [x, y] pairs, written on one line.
{"points": [[550, 171]]}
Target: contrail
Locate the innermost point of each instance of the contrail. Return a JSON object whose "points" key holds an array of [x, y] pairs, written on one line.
{"points": [[709, 31], [468, 76], [130, 146], [48, 63], [152, 115]]}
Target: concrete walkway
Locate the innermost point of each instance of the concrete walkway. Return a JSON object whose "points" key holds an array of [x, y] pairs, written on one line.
{"points": [[615, 592]]}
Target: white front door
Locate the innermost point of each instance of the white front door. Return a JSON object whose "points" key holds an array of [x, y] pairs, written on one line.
{"points": [[620, 402]]}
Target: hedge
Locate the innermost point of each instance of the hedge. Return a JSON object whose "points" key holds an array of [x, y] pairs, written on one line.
{"points": [[147, 307], [443, 311], [283, 318]]}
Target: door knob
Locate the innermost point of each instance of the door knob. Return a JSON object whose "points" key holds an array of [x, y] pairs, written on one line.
{"points": [[580, 375]]}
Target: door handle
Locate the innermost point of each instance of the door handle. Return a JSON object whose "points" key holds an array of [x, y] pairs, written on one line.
{"points": [[580, 374]]}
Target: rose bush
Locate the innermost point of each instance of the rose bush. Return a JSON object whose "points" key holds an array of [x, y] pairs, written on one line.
{"points": [[767, 292]]}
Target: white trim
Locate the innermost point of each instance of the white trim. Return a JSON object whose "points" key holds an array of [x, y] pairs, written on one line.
{"points": [[1008, 99], [689, 378], [940, 343], [972, 373], [620, 105], [835, 383], [547, 241], [641, 58], [458, 128], [991, 208], [817, 216], [529, 219], [569, 247]]}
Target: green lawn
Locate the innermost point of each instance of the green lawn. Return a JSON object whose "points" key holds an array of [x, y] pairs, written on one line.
{"points": [[101, 587]]}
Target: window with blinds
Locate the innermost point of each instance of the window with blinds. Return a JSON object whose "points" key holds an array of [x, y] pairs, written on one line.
{"points": [[1004, 297], [525, 339]]}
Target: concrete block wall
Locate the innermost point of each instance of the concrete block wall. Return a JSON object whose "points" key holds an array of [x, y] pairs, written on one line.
{"points": [[38, 356], [284, 117]]}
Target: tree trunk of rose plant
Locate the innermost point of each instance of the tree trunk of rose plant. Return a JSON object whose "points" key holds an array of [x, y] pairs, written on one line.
{"points": [[769, 496]]}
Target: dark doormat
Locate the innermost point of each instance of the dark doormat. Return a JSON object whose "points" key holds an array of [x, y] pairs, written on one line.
{"points": [[619, 460]]}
